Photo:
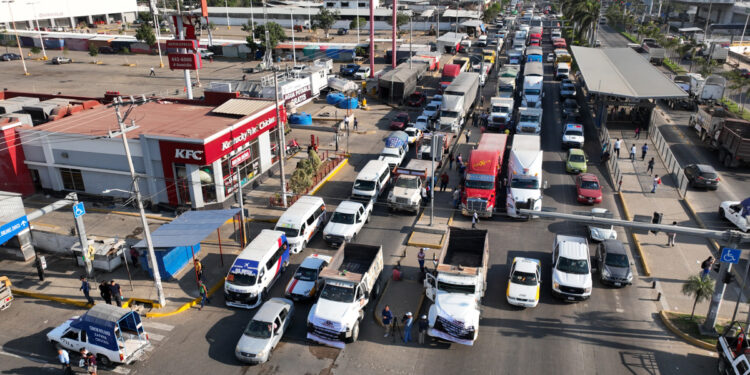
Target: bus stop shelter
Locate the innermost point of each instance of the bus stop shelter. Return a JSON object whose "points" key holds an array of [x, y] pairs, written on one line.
{"points": [[177, 242]]}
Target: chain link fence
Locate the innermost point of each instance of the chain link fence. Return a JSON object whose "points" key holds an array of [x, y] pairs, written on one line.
{"points": [[666, 155]]}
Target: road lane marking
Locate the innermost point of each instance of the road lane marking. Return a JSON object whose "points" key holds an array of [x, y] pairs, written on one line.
{"points": [[155, 336], [159, 326]]}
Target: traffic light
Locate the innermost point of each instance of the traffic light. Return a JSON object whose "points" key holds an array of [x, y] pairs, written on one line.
{"points": [[728, 278], [656, 219]]}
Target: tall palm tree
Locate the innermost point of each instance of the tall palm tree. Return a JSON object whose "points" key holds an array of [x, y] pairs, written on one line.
{"points": [[586, 14], [707, 66], [700, 288]]}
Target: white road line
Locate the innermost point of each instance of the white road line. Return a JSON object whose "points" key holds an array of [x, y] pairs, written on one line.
{"points": [[29, 356], [159, 326], [121, 370], [155, 336]]}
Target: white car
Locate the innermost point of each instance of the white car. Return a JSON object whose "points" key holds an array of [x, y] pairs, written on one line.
{"points": [[431, 110], [347, 221], [551, 57], [601, 232], [482, 41], [422, 123], [306, 281], [573, 136], [524, 281], [362, 73], [264, 331], [571, 268], [205, 54], [414, 133], [736, 212], [394, 156]]}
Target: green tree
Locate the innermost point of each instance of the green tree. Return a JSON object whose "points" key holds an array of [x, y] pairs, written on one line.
{"points": [[361, 51], [93, 51], [362, 23], [740, 84], [35, 50], [300, 181], [491, 12], [146, 34], [325, 19], [700, 288], [276, 34], [401, 19], [314, 159], [706, 66]]}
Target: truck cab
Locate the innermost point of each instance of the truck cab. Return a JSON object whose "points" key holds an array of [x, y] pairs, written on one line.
{"points": [[525, 184], [406, 192], [738, 213], [533, 81], [529, 121], [733, 348]]}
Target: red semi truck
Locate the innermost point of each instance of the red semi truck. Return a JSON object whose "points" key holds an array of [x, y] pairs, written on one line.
{"points": [[480, 188], [450, 71]]}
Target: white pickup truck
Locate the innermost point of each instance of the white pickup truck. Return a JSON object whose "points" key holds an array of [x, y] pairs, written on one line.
{"points": [[571, 268], [351, 281], [347, 221], [734, 212], [406, 192]]}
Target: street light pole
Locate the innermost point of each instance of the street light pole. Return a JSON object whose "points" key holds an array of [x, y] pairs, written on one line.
{"points": [[18, 40], [708, 19], [36, 18], [282, 138], [742, 37], [226, 8], [294, 49]]}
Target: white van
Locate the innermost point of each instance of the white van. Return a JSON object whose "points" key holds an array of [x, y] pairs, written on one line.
{"points": [[371, 180], [255, 270], [301, 221]]}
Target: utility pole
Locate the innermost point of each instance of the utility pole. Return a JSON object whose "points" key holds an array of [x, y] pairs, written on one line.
{"points": [[411, 40], [294, 49], [82, 238], [38, 29], [136, 189], [437, 30], [724, 270], [282, 139], [372, 39], [242, 206], [708, 19], [18, 41], [393, 35]]}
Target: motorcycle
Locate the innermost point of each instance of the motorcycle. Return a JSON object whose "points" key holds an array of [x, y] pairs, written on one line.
{"points": [[292, 147]]}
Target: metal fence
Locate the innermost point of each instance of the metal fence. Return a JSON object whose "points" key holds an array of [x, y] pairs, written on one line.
{"points": [[613, 166], [666, 155]]}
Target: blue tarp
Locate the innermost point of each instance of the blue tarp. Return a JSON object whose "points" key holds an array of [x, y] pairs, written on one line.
{"points": [[100, 321], [189, 228]]}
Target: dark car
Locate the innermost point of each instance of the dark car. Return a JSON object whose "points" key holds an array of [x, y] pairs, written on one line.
{"points": [[567, 88], [417, 99], [702, 175], [10, 56], [107, 50], [614, 264], [343, 31], [348, 69], [57, 60], [570, 110], [744, 73], [399, 123]]}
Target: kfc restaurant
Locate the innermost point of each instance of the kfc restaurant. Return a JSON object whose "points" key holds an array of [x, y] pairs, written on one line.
{"points": [[185, 154]]}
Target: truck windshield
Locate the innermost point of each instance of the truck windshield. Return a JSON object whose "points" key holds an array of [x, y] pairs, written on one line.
{"points": [[289, 232], [449, 114], [258, 329], [475, 181], [454, 288], [531, 92], [407, 183], [342, 218], [523, 278], [617, 260], [337, 293], [575, 266], [524, 183], [364, 185], [305, 274], [528, 118], [242, 279], [500, 109]]}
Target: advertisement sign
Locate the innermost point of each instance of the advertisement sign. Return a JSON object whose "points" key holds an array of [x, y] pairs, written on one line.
{"points": [[296, 92], [190, 44], [240, 158], [10, 229], [190, 61]]}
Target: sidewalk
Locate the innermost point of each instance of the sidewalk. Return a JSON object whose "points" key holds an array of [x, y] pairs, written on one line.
{"points": [[669, 266]]}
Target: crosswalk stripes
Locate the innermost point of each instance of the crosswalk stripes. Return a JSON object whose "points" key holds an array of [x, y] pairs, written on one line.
{"points": [[159, 326], [121, 370]]}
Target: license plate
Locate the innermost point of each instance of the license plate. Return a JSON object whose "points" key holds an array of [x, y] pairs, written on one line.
{"points": [[570, 298], [618, 284], [591, 199]]}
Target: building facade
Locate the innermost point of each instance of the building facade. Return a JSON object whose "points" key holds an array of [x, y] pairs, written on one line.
{"points": [[66, 13]]}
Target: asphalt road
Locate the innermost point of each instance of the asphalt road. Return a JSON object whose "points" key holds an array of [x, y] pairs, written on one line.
{"points": [[614, 332]]}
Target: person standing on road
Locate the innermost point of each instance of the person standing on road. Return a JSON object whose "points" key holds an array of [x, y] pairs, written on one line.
{"points": [[203, 291], [632, 153], [91, 363], [706, 266], [450, 160], [408, 322], [356, 124], [657, 182], [459, 161], [105, 292], [423, 324], [39, 263], [152, 73], [650, 168], [86, 288], [474, 220], [644, 150], [134, 257], [638, 133], [198, 269], [671, 236], [114, 289], [444, 181], [420, 259], [387, 318], [618, 144], [468, 135], [456, 196], [481, 101], [64, 358]]}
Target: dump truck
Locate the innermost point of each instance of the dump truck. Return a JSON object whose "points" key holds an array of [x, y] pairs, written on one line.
{"points": [[351, 280], [725, 134], [457, 286], [653, 52]]}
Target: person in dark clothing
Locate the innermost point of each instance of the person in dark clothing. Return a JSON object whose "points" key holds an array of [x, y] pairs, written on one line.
{"points": [[444, 181], [706, 266], [644, 150], [650, 168], [114, 289], [105, 292], [134, 257], [387, 319], [86, 288], [39, 267], [422, 328], [450, 160]]}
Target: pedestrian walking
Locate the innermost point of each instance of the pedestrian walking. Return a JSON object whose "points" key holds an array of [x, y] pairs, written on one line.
{"points": [[134, 257], [468, 135], [356, 124], [644, 150], [671, 236], [481, 101], [203, 291], [40, 266], [459, 161], [244, 77], [152, 73], [114, 289], [91, 363], [444, 181], [450, 160], [105, 292], [408, 322], [64, 358], [618, 144], [706, 266], [650, 168], [83, 353], [605, 157], [387, 319], [396, 274], [456, 196], [422, 328], [632, 153], [475, 118], [657, 182], [428, 192], [638, 133], [198, 269], [474, 220], [86, 288], [420, 259]]}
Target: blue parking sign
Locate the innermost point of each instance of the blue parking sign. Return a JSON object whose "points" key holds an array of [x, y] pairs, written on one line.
{"points": [[78, 210], [729, 255]]}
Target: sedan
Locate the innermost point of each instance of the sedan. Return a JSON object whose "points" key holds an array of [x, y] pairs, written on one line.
{"points": [[61, 60], [399, 123], [10, 56], [431, 110], [551, 57], [417, 99], [602, 232], [264, 331], [614, 264], [306, 281], [588, 188], [702, 175], [524, 282], [570, 110], [567, 88], [422, 123]]}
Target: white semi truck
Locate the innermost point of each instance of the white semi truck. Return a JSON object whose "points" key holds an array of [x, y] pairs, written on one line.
{"points": [[524, 189], [458, 99]]}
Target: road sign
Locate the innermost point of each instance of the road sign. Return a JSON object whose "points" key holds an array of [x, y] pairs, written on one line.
{"points": [[729, 255], [78, 210], [10, 229]]}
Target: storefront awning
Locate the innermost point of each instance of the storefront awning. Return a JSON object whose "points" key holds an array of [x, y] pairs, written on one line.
{"points": [[189, 228]]}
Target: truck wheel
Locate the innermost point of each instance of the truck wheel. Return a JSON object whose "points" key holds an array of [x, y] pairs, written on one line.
{"points": [[104, 360], [264, 295], [721, 366], [355, 333]]}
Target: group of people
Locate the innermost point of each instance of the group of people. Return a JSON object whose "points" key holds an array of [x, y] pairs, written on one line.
{"points": [[109, 291], [391, 325], [88, 361]]}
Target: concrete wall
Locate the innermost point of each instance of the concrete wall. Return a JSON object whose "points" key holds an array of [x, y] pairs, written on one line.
{"points": [[52, 242]]}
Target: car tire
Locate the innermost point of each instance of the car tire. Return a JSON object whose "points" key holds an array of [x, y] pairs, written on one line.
{"points": [[355, 333], [264, 295], [103, 360]]}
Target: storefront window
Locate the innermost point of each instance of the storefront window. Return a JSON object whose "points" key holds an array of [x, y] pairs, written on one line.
{"points": [[72, 179], [208, 187], [249, 169]]}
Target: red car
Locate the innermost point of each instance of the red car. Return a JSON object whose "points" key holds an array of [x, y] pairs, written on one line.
{"points": [[588, 188], [399, 123], [417, 99]]}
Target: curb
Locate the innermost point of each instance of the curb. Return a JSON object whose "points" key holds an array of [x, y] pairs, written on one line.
{"points": [[66, 301], [428, 245], [330, 175], [187, 305], [638, 248], [127, 213], [690, 340], [375, 314]]}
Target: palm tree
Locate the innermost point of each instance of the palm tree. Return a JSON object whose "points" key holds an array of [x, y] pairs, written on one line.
{"points": [[707, 66], [586, 16], [698, 287]]}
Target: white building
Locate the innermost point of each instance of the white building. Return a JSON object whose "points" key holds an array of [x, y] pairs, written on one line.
{"points": [[66, 13], [350, 4]]}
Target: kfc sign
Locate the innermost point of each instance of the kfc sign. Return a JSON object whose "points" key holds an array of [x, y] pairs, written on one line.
{"points": [[182, 153], [242, 137]]}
